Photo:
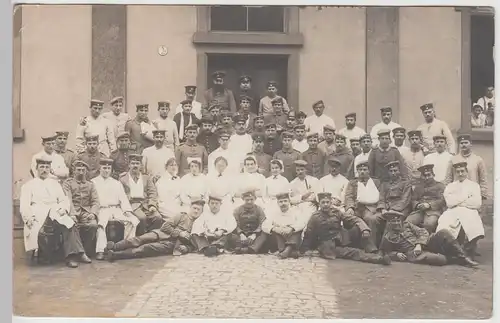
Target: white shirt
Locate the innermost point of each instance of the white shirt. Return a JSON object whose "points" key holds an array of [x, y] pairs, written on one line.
{"points": [[239, 146], [210, 222], [154, 159], [440, 162], [275, 184], [315, 124], [382, 126], [117, 121], [196, 109], [193, 187], [222, 186], [436, 128], [100, 126], [336, 185], [58, 166], [111, 193], [233, 163], [250, 180], [291, 218], [299, 187], [355, 132], [300, 145], [171, 132], [136, 188], [358, 159]]}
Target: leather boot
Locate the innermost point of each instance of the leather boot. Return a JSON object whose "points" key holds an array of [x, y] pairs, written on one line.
{"points": [[455, 250], [71, 262], [375, 258], [285, 253], [210, 251]]}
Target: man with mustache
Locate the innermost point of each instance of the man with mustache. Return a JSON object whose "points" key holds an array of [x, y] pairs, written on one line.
{"points": [[382, 155], [206, 137], [265, 106], [414, 158], [91, 156], [60, 143], [155, 157], [219, 93], [185, 119], [58, 168], [434, 127], [246, 90], [116, 116], [163, 122], [196, 107], [121, 155], [44, 209], [385, 124], [316, 158], [139, 127], [96, 124], [350, 130], [317, 121], [191, 149], [263, 159]]}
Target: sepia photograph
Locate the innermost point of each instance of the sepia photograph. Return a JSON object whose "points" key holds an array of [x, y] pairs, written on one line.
{"points": [[253, 161]]}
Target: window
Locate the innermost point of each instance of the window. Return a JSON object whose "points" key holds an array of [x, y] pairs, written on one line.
{"points": [[247, 18]]}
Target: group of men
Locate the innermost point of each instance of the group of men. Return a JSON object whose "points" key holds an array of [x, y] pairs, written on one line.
{"points": [[218, 178]]}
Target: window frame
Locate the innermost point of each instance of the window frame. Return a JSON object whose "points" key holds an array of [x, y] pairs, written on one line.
{"points": [[247, 21], [466, 100]]}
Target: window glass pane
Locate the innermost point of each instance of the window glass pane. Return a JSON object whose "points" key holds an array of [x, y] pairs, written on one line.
{"points": [[228, 18], [266, 19]]}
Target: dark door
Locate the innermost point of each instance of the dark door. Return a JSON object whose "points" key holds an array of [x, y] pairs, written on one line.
{"points": [[262, 68]]}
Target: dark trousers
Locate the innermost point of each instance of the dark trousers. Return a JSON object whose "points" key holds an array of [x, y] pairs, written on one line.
{"points": [[149, 244], [256, 246], [149, 221], [279, 242], [425, 220], [87, 227], [201, 241], [375, 222], [50, 236]]}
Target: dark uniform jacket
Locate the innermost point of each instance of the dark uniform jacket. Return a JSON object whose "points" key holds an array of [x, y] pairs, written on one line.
{"points": [[379, 158], [351, 196], [263, 162], [138, 141], [327, 226], [396, 196], [209, 140], [177, 120], [225, 99], [174, 225], [84, 202], [345, 157], [288, 157], [431, 193], [93, 160], [249, 219], [186, 150], [316, 161], [150, 193], [272, 145], [254, 108], [120, 161], [405, 239]]}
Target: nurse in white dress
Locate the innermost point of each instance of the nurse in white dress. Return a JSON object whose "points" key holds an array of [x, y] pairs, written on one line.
{"points": [[193, 184], [274, 185], [220, 183], [249, 179], [169, 191]]}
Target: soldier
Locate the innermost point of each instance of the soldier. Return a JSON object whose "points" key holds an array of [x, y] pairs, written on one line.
{"points": [[211, 230], [143, 196], [60, 148], [462, 219], [218, 92], [301, 117], [258, 124], [163, 122], [263, 159], [328, 144], [343, 154], [116, 116], [273, 143], [318, 121], [440, 158], [434, 127], [399, 135], [279, 117], [403, 241], [248, 236], [382, 155], [214, 110], [361, 199], [196, 107], [291, 122], [355, 145], [284, 226], [300, 142], [476, 169], [58, 169], [185, 119], [44, 209], [223, 151], [91, 156], [226, 122], [334, 182], [350, 130], [84, 205], [325, 232], [120, 156], [288, 156], [265, 106], [427, 200], [366, 148], [155, 157], [206, 137], [114, 206], [395, 194], [315, 157], [245, 111], [95, 123], [174, 237], [385, 124], [240, 143], [191, 149], [246, 90], [415, 157], [304, 190], [138, 129]]}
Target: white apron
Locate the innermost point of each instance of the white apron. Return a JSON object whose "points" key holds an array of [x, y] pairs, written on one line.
{"points": [[461, 217]]}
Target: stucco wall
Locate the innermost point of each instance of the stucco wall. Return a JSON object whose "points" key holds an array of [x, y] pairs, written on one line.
{"points": [[430, 64], [151, 77], [55, 75], [332, 62]]}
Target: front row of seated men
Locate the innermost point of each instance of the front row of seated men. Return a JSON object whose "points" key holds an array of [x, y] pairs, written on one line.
{"points": [[374, 224]]}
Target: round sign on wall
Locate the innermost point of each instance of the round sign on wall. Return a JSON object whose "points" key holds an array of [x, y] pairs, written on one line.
{"points": [[162, 50]]}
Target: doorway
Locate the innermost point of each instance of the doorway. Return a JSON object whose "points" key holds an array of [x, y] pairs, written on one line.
{"points": [[482, 41], [262, 68]]}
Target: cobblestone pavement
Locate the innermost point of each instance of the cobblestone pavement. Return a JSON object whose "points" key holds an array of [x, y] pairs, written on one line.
{"points": [[232, 286]]}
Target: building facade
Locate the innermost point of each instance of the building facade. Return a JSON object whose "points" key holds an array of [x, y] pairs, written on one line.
{"points": [[355, 59]]}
